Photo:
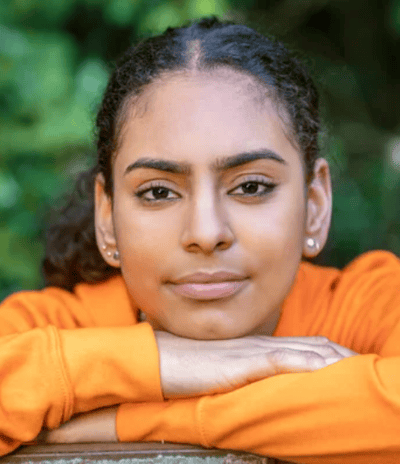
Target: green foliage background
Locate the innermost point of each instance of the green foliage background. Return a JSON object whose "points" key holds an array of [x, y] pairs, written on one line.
{"points": [[54, 64]]}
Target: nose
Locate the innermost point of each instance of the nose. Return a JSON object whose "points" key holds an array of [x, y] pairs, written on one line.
{"points": [[206, 228]]}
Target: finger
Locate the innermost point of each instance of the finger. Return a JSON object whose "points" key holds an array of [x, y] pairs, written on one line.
{"points": [[280, 361], [344, 351], [322, 345], [312, 340], [320, 340], [286, 361]]}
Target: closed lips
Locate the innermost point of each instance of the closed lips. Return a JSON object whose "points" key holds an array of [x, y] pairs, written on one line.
{"points": [[204, 277], [202, 286]]}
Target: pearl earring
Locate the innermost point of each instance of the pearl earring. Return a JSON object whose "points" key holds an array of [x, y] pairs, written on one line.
{"points": [[313, 244]]}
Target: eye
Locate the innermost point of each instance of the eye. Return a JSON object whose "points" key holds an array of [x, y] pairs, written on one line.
{"points": [[253, 188], [156, 193]]}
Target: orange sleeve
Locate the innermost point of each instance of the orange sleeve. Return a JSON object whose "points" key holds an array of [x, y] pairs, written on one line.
{"points": [[358, 307], [55, 362], [362, 308], [345, 413]]}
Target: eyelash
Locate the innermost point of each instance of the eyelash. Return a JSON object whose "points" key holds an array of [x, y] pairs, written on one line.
{"points": [[154, 185], [268, 188]]}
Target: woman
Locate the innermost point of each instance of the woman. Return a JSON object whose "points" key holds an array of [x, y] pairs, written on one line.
{"points": [[208, 192]]}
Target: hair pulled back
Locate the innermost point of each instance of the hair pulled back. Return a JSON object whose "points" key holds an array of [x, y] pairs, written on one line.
{"points": [[72, 255]]}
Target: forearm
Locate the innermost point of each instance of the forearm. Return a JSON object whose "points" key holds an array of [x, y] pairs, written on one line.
{"points": [[48, 375], [348, 412]]}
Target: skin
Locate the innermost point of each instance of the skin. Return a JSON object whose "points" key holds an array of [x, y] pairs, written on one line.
{"points": [[208, 222]]}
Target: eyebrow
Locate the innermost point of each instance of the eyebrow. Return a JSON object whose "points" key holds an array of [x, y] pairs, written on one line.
{"points": [[221, 164]]}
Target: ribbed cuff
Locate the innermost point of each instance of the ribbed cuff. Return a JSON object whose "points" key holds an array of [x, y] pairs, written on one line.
{"points": [[63, 381], [112, 365], [171, 421]]}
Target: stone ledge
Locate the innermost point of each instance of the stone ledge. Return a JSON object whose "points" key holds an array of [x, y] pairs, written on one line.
{"points": [[129, 453]]}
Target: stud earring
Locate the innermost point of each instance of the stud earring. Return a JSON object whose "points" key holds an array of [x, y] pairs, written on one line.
{"points": [[104, 247], [109, 253], [116, 255], [313, 244]]}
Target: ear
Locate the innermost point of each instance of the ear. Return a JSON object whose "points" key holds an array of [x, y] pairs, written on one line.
{"points": [[104, 223], [319, 210]]}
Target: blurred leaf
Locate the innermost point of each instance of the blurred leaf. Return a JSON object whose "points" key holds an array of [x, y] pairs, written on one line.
{"points": [[71, 125], [394, 16], [19, 257], [38, 12], [13, 43], [23, 221], [348, 203], [90, 81], [334, 151], [121, 12], [44, 76], [95, 3], [9, 191], [355, 227], [158, 19], [199, 8], [393, 148], [45, 185]]}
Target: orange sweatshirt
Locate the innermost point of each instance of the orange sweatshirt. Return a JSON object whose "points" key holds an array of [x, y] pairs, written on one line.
{"points": [[63, 353]]}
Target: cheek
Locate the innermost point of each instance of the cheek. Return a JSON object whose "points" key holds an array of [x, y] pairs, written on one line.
{"points": [[277, 227], [144, 238]]}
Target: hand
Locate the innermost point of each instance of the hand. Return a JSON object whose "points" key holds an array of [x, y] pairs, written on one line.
{"points": [[197, 367], [95, 426]]}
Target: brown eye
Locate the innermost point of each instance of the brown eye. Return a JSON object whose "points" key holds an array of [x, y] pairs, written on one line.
{"points": [[253, 188], [156, 194], [250, 187], [160, 192]]}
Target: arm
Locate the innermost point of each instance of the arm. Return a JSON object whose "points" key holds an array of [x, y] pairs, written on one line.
{"points": [[193, 367], [347, 413], [51, 368], [48, 375]]}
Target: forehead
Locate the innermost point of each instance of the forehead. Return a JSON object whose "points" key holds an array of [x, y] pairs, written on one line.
{"points": [[197, 116]]}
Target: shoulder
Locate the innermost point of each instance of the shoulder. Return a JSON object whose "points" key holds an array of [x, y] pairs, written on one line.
{"points": [[101, 304], [369, 274], [81, 292], [108, 302], [374, 266], [365, 302], [372, 280], [358, 306], [377, 261]]}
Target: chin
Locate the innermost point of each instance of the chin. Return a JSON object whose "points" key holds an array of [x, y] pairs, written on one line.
{"points": [[211, 331]]}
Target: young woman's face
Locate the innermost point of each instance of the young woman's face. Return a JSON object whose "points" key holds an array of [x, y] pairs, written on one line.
{"points": [[209, 207]]}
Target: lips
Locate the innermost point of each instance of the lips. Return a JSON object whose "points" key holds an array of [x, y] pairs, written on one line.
{"points": [[205, 286]]}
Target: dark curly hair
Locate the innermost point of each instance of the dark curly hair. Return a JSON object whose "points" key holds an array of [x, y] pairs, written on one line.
{"points": [[72, 255]]}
